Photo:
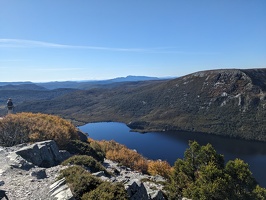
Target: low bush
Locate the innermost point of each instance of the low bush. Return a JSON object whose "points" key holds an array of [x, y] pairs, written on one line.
{"points": [[28, 127], [79, 180], [84, 148], [121, 154], [159, 167], [85, 161], [107, 191]]}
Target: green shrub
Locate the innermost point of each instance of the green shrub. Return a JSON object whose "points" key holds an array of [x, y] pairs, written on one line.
{"points": [[79, 180], [203, 175], [107, 191], [84, 148], [259, 193], [96, 146], [85, 161]]}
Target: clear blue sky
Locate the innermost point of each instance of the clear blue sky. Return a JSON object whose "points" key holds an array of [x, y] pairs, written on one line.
{"points": [[55, 40]]}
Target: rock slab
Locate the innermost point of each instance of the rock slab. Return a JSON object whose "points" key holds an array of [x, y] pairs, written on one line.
{"points": [[42, 154]]}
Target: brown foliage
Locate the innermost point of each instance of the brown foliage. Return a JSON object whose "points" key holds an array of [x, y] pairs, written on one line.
{"points": [[130, 158], [121, 154], [159, 167], [29, 127]]}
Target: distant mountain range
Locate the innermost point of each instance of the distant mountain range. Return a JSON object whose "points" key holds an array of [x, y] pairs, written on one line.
{"points": [[86, 84], [22, 86], [228, 102]]}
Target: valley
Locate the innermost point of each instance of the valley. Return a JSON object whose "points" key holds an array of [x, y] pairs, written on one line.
{"points": [[227, 102]]}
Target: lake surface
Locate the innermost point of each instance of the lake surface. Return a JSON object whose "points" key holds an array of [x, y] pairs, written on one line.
{"points": [[171, 145]]}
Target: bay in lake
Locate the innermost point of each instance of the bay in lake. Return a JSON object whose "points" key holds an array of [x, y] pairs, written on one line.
{"points": [[171, 145]]}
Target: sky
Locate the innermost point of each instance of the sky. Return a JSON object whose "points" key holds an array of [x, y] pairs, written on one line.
{"points": [[59, 40]]}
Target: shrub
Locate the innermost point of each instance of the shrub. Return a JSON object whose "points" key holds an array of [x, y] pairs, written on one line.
{"points": [[121, 154], [12, 131], [85, 161], [107, 191], [79, 180], [29, 127], [259, 193], [203, 175], [96, 146], [159, 167], [84, 148]]}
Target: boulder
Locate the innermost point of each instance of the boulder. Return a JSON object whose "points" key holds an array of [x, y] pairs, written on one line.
{"points": [[39, 173], [156, 195], [136, 190], [60, 191], [2, 182], [16, 161], [43, 154]]}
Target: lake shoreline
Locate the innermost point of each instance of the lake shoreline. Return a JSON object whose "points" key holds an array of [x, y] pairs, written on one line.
{"points": [[171, 145]]}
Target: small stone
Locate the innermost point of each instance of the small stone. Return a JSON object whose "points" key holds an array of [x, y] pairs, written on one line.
{"points": [[39, 174], [2, 182]]}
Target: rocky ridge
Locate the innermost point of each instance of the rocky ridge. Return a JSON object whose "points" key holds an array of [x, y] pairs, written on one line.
{"points": [[226, 102], [30, 172], [229, 102]]}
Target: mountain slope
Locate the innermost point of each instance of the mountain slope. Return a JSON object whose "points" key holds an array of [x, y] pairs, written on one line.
{"points": [[229, 102], [27, 86]]}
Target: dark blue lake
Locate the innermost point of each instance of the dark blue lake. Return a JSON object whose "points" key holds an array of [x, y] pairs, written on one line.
{"points": [[171, 145]]}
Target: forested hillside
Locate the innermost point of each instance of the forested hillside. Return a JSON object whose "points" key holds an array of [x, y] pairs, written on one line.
{"points": [[223, 102]]}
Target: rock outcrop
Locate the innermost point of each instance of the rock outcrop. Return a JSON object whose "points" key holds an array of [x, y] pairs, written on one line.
{"points": [[31, 171], [60, 190], [229, 102], [42, 154], [138, 185], [26, 178]]}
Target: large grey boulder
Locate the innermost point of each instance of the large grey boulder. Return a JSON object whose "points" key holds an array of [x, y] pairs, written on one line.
{"points": [[43, 154], [153, 191], [136, 190], [16, 161]]}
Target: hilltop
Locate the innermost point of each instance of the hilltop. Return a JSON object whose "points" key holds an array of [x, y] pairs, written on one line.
{"points": [[228, 102]]}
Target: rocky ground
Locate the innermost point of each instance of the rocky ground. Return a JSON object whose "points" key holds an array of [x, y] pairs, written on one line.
{"points": [[25, 184], [22, 179]]}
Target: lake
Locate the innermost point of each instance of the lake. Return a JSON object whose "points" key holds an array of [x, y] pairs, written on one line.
{"points": [[171, 145]]}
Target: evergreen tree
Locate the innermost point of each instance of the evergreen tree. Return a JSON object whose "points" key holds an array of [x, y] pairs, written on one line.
{"points": [[242, 183], [203, 175]]}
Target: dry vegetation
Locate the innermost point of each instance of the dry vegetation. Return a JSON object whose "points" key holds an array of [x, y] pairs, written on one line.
{"points": [[202, 174], [130, 158], [29, 127]]}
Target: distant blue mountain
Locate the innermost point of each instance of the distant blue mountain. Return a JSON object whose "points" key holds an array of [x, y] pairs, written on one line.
{"points": [[90, 83], [22, 86], [14, 83], [86, 84], [133, 78]]}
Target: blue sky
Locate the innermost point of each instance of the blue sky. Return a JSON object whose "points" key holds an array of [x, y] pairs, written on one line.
{"points": [[56, 40]]}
